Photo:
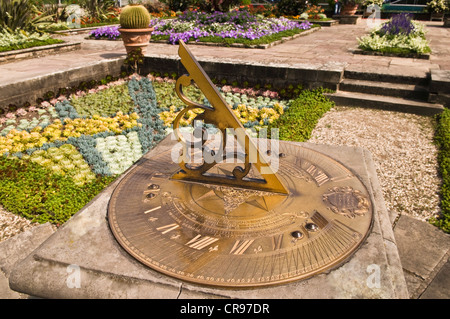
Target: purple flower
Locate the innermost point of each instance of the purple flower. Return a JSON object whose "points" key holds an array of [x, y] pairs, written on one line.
{"points": [[237, 24], [398, 24]]}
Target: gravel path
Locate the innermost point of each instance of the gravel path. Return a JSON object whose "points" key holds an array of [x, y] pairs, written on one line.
{"points": [[401, 145], [402, 148], [11, 224]]}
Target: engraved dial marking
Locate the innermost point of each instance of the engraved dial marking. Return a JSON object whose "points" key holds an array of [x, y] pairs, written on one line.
{"points": [[199, 243], [240, 247]]}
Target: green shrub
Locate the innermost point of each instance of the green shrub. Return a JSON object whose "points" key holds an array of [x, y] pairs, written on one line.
{"points": [[297, 123], [35, 192], [442, 139], [97, 9]]}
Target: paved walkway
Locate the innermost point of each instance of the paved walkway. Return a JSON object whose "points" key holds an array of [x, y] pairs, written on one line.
{"points": [[423, 249]]}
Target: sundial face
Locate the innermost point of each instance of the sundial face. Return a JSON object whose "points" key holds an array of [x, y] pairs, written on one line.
{"points": [[216, 224], [225, 236]]}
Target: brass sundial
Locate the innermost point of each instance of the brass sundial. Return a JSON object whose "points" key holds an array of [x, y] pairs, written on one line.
{"points": [[253, 213]]}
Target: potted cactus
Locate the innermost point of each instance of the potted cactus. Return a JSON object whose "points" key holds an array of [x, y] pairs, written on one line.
{"points": [[134, 27]]}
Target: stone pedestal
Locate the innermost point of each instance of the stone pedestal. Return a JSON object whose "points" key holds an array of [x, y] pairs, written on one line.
{"points": [[83, 259]]}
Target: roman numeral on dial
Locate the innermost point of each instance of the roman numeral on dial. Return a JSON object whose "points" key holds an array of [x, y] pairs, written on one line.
{"points": [[199, 243], [319, 176], [167, 228]]}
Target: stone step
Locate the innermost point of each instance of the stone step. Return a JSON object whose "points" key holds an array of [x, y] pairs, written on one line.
{"points": [[388, 103], [408, 91], [385, 77]]}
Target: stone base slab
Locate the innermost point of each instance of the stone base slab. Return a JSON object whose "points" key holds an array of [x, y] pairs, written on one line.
{"points": [[83, 260]]}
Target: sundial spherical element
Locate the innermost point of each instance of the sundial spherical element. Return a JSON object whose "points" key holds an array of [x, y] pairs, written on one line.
{"points": [[235, 237]]}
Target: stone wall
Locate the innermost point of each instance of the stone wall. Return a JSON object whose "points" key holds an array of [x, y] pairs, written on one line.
{"points": [[28, 91], [278, 75]]}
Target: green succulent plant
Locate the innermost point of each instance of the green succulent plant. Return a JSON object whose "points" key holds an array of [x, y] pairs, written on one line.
{"points": [[134, 17]]}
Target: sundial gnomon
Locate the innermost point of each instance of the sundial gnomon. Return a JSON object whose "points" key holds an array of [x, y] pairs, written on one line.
{"points": [[239, 220]]}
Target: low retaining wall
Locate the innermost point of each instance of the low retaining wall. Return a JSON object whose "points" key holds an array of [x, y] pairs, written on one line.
{"points": [[278, 75], [28, 91]]}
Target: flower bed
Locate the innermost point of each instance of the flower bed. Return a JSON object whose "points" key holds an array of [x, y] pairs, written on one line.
{"points": [[399, 36], [237, 26], [226, 28]]}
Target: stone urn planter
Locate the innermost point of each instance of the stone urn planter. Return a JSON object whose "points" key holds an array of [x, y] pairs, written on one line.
{"points": [[136, 38], [348, 12], [349, 9], [134, 27]]}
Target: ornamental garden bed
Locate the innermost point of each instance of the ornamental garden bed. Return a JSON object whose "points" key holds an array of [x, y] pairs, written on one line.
{"points": [[261, 43]]}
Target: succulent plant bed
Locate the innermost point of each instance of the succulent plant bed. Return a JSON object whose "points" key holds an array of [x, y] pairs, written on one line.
{"points": [[254, 107]]}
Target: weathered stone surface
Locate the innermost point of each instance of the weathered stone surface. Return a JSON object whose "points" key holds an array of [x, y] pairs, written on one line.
{"points": [[17, 248], [424, 251]]}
